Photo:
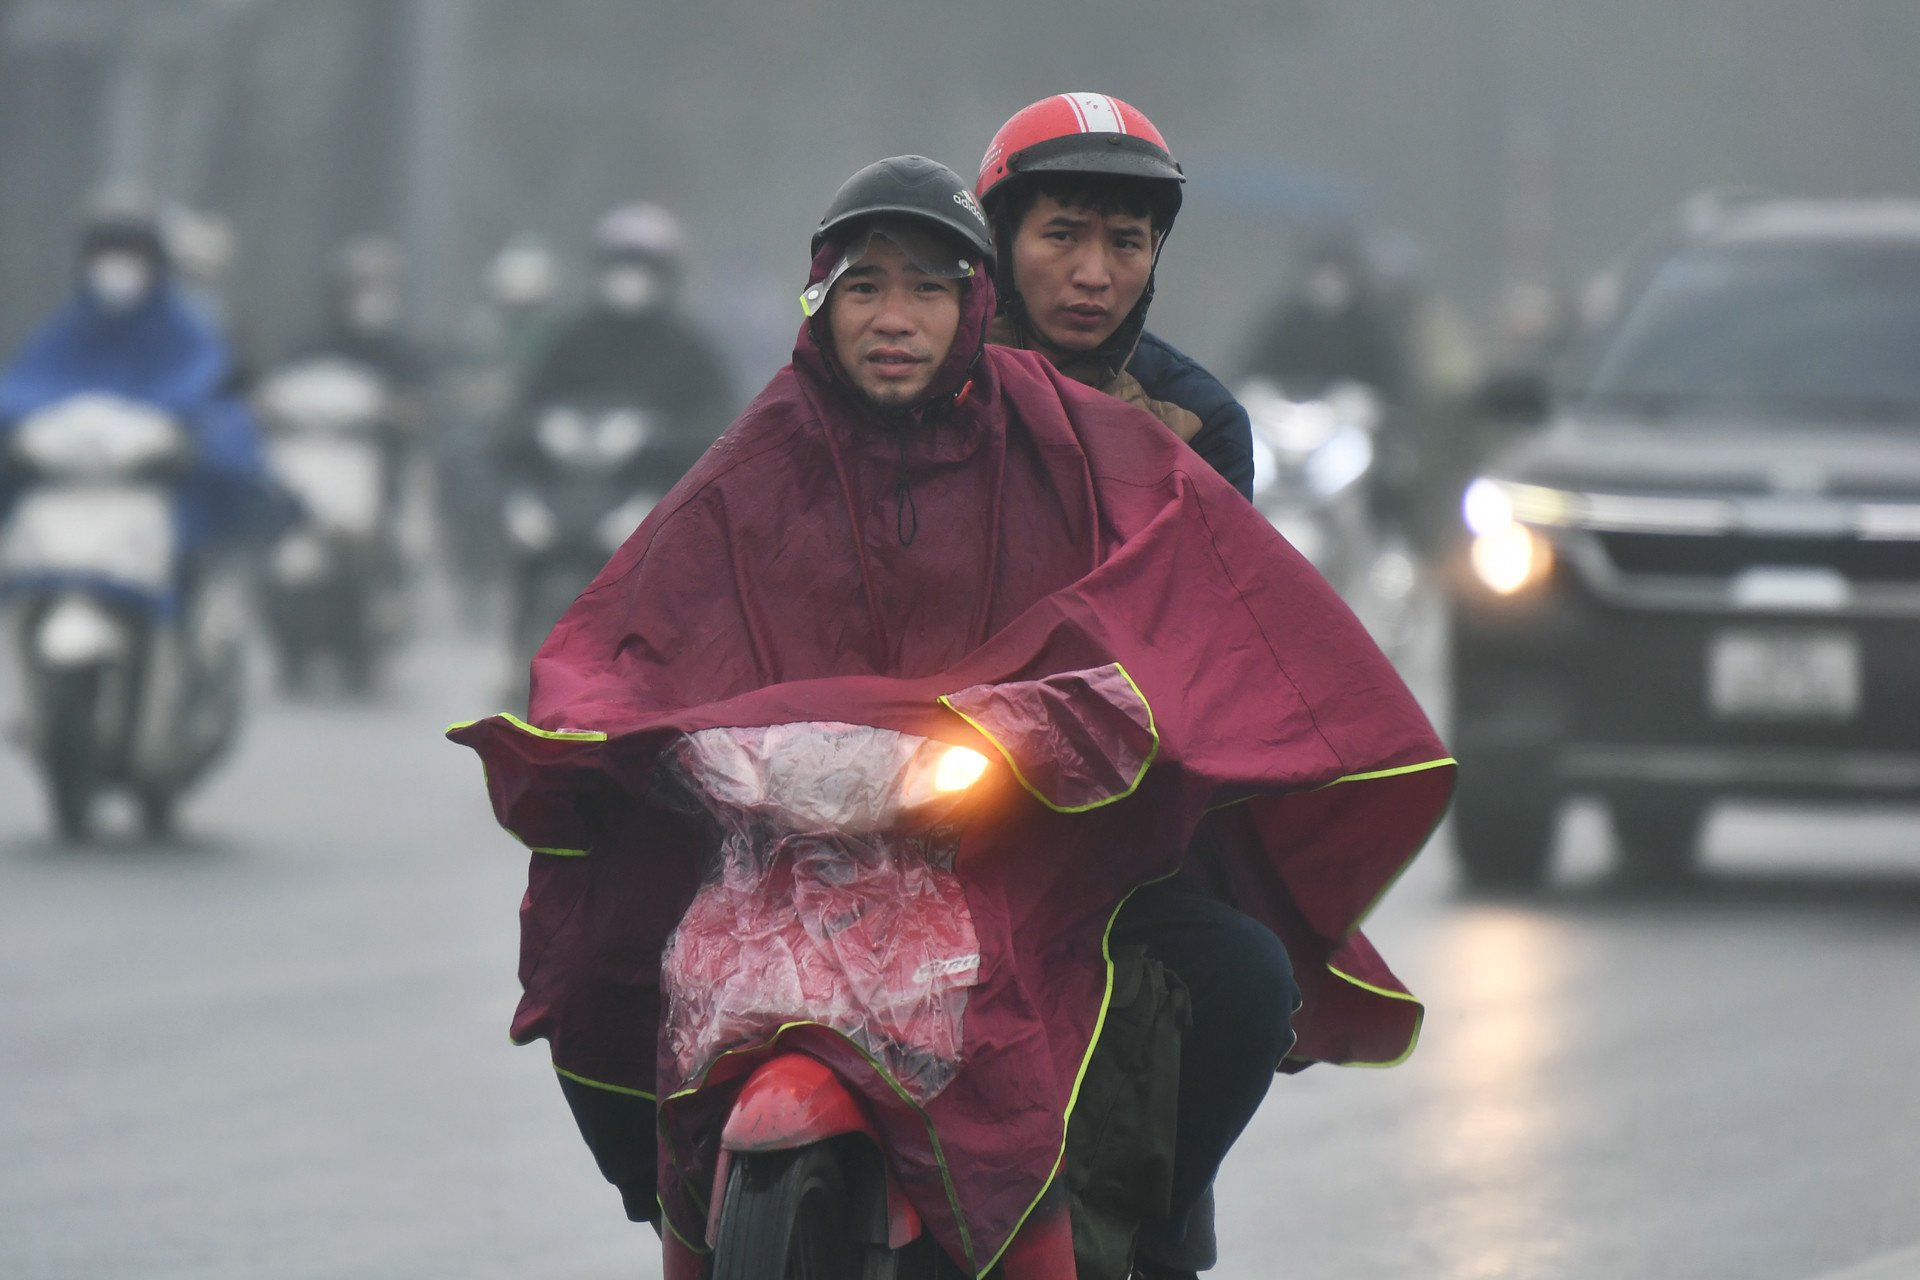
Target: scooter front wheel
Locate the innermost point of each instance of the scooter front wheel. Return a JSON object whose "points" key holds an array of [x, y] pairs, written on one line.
{"points": [[71, 758], [786, 1217]]}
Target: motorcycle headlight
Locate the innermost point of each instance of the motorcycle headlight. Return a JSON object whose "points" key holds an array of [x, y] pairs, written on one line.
{"points": [[529, 522], [957, 769], [824, 777], [1325, 441]]}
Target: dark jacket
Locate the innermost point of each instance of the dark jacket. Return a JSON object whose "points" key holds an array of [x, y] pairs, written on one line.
{"points": [[1225, 438], [1153, 375]]}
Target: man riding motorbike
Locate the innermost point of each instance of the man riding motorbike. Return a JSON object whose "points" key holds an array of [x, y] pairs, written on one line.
{"points": [[1082, 191], [346, 415], [907, 522], [632, 344], [622, 399], [130, 476], [499, 342], [131, 331]]}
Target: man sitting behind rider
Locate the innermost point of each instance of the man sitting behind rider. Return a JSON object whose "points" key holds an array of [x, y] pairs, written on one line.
{"points": [[1082, 190]]}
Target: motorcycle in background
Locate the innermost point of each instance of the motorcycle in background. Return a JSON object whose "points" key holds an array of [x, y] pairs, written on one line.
{"points": [[1316, 474], [128, 652], [334, 584], [591, 474]]}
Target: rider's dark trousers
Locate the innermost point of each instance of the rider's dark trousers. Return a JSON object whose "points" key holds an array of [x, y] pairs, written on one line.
{"points": [[1242, 995]]}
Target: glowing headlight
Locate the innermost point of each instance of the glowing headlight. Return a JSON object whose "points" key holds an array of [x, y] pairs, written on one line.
{"points": [[1510, 558], [1486, 507], [958, 769]]}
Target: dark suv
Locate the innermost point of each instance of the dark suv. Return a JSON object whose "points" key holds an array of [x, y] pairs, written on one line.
{"points": [[1702, 578]]}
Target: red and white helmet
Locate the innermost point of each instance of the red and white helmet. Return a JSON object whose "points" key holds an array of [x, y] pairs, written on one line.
{"points": [[1078, 133]]}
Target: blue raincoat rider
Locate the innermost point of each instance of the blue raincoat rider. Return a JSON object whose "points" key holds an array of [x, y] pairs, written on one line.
{"points": [[131, 330]]}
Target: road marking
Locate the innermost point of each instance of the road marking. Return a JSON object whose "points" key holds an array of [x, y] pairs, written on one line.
{"points": [[1903, 1265]]}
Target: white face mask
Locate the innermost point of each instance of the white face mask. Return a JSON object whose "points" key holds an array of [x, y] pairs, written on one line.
{"points": [[373, 310], [119, 281], [1329, 289], [521, 278], [629, 288]]}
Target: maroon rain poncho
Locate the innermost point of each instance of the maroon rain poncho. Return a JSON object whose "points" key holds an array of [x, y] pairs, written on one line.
{"points": [[1003, 548]]}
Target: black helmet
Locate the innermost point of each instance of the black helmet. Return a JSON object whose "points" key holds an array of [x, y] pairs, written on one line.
{"points": [[914, 187], [122, 217]]}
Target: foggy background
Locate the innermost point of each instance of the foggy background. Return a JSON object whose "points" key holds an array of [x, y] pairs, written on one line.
{"points": [[1507, 141]]}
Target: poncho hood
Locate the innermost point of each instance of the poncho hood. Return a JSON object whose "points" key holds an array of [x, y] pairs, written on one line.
{"points": [[1062, 548]]}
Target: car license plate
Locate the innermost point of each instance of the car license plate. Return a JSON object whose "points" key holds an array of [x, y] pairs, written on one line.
{"points": [[1783, 675]]}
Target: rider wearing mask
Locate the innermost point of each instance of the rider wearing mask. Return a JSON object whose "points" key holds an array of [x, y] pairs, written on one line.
{"points": [[633, 345], [1082, 191], [366, 312], [131, 330], [906, 510]]}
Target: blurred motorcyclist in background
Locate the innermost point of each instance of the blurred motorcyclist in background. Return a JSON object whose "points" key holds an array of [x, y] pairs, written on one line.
{"points": [[1333, 323], [345, 412], [132, 330], [625, 397], [131, 477], [522, 297], [499, 343], [1356, 326], [202, 247], [633, 343], [366, 322], [1082, 190]]}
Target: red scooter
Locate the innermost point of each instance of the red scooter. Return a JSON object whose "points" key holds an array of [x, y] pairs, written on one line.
{"points": [[833, 913]]}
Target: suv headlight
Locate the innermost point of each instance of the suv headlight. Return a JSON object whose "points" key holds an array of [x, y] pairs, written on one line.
{"points": [[1507, 556]]}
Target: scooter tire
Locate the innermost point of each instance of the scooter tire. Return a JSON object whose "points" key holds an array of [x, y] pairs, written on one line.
{"points": [[157, 813], [787, 1217], [71, 754]]}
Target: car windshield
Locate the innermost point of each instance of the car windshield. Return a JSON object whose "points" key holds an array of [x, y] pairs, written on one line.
{"points": [[1778, 328]]}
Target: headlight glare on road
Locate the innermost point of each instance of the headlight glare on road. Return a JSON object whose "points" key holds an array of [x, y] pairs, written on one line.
{"points": [[1510, 559]]}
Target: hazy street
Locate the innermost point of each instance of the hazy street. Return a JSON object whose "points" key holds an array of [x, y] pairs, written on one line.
{"points": [[279, 1049]]}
